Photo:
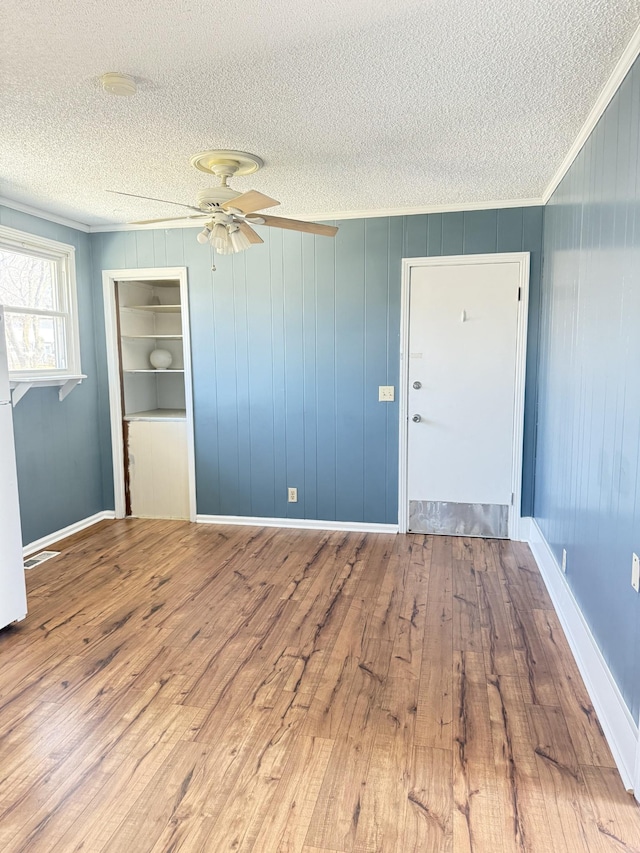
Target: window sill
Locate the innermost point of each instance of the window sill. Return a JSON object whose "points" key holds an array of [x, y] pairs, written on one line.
{"points": [[66, 383]]}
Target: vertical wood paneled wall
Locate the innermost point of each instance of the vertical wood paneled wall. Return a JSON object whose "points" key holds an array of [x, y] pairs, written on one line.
{"points": [[58, 445], [290, 341], [587, 474]]}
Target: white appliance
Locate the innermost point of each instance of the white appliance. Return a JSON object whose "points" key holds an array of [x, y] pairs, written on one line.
{"points": [[13, 593]]}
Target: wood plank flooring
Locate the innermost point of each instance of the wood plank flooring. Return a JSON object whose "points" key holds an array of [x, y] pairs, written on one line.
{"points": [[194, 688]]}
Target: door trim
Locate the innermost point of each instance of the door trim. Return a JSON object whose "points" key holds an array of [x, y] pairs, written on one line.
{"points": [[408, 264], [109, 278]]}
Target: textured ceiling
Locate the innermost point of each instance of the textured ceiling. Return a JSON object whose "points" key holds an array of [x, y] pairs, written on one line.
{"points": [[353, 104]]}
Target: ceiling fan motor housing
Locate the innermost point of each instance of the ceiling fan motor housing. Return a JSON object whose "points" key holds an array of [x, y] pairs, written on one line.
{"points": [[211, 197]]}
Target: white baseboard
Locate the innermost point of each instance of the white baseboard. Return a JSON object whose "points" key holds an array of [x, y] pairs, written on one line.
{"points": [[522, 532], [300, 523], [57, 535], [615, 718]]}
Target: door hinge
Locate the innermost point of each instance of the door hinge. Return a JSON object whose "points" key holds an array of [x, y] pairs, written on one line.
{"points": [[519, 294]]}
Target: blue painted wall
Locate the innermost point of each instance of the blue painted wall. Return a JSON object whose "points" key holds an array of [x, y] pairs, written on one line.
{"points": [[290, 341], [57, 444], [587, 476]]}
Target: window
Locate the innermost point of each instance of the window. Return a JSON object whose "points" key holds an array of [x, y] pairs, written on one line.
{"points": [[38, 292]]}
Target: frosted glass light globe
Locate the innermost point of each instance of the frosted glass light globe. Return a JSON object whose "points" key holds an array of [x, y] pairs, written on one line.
{"points": [[160, 359]]}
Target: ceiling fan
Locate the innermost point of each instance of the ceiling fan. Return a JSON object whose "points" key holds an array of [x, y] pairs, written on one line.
{"points": [[230, 214]]}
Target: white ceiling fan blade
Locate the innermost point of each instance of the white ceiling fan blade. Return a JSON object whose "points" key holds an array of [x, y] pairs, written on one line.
{"points": [[249, 233], [150, 198], [249, 202], [297, 225], [169, 219]]}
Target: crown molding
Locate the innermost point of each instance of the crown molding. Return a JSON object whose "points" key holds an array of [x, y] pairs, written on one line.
{"points": [[629, 56], [497, 204], [347, 214], [43, 214]]}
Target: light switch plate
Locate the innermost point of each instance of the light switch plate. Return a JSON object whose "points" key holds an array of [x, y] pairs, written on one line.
{"points": [[386, 393], [635, 573]]}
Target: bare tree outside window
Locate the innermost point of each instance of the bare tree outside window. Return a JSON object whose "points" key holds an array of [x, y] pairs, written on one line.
{"points": [[36, 321]]}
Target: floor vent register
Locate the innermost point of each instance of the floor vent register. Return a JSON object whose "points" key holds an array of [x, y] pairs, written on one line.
{"points": [[31, 562]]}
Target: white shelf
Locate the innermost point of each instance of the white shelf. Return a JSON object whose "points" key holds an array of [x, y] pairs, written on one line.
{"points": [[66, 383], [155, 309], [143, 328], [152, 337], [158, 415]]}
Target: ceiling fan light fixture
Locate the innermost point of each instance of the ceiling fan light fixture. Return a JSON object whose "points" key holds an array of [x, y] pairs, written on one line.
{"points": [[219, 238], [226, 249], [203, 236], [238, 240]]}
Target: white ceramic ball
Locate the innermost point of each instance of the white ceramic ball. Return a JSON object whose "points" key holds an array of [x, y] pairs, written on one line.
{"points": [[161, 359]]}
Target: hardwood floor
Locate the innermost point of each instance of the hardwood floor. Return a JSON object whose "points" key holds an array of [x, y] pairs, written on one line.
{"points": [[182, 687]]}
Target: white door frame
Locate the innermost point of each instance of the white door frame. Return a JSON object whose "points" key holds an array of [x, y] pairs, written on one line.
{"points": [[109, 278], [408, 264]]}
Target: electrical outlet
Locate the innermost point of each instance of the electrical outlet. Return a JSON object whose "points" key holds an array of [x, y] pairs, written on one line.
{"points": [[564, 560], [635, 573], [292, 495], [386, 393]]}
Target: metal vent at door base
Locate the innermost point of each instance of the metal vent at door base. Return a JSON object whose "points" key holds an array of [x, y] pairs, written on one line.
{"points": [[459, 519]]}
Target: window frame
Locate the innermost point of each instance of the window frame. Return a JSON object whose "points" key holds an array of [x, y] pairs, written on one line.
{"points": [[63, 254]]}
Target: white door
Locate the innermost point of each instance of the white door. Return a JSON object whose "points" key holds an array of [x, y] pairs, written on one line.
{"points": [[461, 396]]}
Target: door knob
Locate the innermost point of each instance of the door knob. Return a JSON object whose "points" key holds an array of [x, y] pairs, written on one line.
{"points": [[416, 419], [417, 385]]}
